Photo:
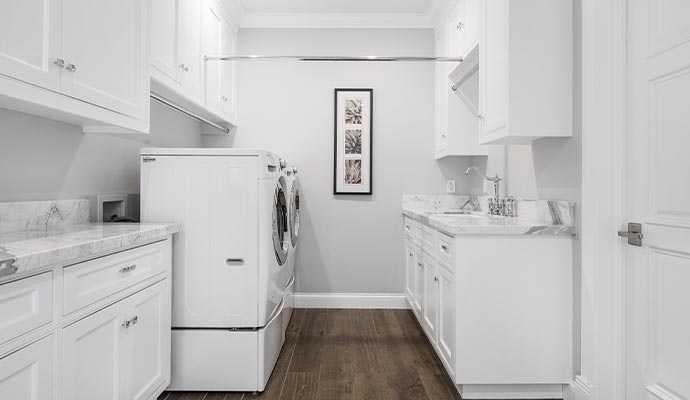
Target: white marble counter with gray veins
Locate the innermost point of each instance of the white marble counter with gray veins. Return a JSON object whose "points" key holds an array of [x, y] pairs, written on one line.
{"points": [[535, 217], [34, 235]]}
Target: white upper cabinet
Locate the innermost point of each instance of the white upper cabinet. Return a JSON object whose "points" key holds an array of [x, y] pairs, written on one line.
{"points": [[457, 115], [84, 62], [104, 67], [30, 41], [183, 32], [164, 45], [526, 70], [191, 57]]}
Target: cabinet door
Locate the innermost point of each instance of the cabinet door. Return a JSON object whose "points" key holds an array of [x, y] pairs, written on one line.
{"points": [[148, 340], [493, 66], [93, 352], [213, 39], [30, 41], [456, 28], [228, 68], [191, 51], [471, 24], [442, 88], [409, 272], [418, 285], [164, 40], [28, 373], [446, 317], [429, 305], [105, 46]]}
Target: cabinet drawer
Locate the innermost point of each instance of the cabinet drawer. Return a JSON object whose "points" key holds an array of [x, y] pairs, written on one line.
{"points": [[427, 239], [88, 282], [25, 305], [445, 248]]}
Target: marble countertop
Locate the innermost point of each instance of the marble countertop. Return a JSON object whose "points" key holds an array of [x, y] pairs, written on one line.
{"points": [[26, 250], [539, 217]]}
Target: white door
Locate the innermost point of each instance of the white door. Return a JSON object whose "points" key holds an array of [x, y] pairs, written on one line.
{"points": [[409, 271], [190, 47], [28, 373], [658, 189], [429, 305], [148, 341], [213, 40], [105, 48], [215, 256], [164, 38], [227, 76], [94, 347], [446, 315], [493, 92], [30, 41]]}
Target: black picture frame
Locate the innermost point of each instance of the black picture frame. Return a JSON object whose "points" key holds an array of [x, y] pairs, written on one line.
{"points": [[338, 136]]}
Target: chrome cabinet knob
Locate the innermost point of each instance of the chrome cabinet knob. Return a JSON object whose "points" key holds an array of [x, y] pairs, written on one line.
{"points": [[135, 320], [59, 62], [182, 67], [459, 26], [71, 67]]}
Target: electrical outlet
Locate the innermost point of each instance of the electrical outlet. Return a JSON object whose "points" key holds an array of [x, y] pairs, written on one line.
{"points": [[450, 186]]}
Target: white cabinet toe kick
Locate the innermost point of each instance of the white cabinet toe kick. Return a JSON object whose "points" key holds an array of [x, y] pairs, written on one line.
{"points": [[496, 308]]}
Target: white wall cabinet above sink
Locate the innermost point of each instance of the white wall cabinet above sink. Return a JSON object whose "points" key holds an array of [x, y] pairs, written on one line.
{"points": [[77, 61], [182, 33], [526, 70]]}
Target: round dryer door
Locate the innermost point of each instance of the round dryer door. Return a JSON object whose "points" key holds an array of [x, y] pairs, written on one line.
{"points": [[294, 214], [280, 224]]}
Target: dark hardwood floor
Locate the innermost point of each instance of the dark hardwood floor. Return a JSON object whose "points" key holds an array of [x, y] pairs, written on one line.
{"points": [[350, 354]]}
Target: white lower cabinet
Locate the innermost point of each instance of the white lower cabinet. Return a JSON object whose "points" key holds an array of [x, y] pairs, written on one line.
{"points": [[114, 346], [409, 271], [445, 287], [28, 372], [430, 290], [488, 304], [122, 349]]}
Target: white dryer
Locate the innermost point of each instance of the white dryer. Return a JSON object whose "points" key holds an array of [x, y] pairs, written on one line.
{"points": [[294, 225], [230, 261]]}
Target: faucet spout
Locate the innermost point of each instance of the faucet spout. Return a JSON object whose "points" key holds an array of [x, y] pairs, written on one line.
{"points": [[494, 205]]}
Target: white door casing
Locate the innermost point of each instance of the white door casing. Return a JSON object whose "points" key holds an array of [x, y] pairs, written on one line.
{"points": [[657, 189]]}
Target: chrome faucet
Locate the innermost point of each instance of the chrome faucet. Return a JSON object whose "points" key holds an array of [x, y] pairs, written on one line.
{"points": [[495, 204]]}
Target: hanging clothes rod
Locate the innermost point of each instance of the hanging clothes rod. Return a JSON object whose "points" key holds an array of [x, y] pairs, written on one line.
{"points": [[333, 58], [189, 113]]}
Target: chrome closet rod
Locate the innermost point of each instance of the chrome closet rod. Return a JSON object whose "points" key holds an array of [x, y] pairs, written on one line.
{"points": [[332, 58], [189, 113]]}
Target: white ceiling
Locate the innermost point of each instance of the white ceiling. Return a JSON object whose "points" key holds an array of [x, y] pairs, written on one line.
{"points": [[337, 6]]}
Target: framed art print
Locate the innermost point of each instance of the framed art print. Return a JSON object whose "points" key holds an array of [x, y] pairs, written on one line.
{"points": [[353, 140]]}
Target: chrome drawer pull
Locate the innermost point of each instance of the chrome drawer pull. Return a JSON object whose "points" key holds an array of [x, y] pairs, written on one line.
{"points": [[130, 268], [444, 247]]}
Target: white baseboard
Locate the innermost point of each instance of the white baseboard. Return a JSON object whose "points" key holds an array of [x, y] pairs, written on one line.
{"points": [[349, 300]]}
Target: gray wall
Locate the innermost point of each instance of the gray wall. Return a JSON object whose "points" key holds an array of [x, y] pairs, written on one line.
{"points": [[349, 244], [41, 159]]}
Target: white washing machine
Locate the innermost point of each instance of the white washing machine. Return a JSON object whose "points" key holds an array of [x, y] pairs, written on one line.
{"points": [[294, 224], [229, 265]]}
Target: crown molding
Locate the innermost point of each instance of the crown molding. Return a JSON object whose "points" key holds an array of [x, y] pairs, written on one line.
{"points": [[335, 21]]}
